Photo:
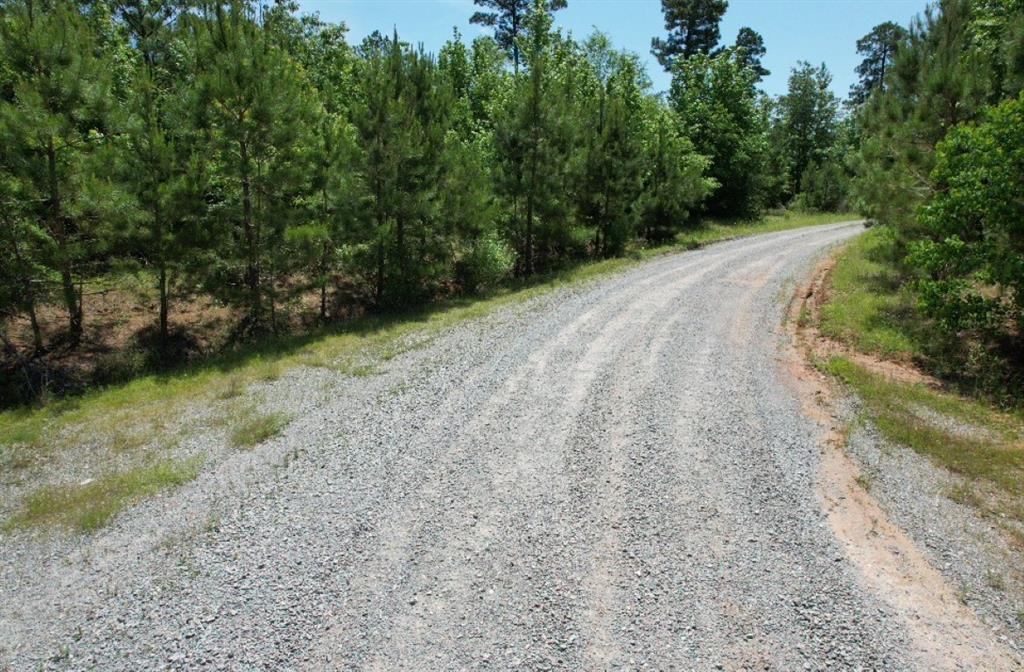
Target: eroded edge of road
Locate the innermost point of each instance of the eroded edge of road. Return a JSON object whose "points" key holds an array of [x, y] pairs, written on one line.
{"points": [[945, 634]]}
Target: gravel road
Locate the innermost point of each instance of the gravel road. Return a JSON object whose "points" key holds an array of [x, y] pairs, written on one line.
{"points": [[610, 476]]}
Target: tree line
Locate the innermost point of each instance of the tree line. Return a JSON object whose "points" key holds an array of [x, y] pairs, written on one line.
{"points": [[253, 154], [939, 121]]}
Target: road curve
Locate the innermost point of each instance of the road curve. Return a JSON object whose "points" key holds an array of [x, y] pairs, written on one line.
{"points": [[613, 476]]}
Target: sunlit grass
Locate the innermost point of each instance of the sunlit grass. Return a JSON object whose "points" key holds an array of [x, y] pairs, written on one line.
{"points": [[992, 449], [91, 504], [869, 307], [254, 429]]}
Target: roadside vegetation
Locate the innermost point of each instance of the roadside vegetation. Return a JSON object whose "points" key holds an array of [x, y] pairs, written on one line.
{"points": [[937, 283], [92, 503], [139, 414], [184, 179]]}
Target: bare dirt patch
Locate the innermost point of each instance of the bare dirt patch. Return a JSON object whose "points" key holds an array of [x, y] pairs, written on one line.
{"points": [[946, 634]]}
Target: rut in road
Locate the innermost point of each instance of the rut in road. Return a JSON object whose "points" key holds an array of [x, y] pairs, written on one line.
{"points": [[608, 477]]}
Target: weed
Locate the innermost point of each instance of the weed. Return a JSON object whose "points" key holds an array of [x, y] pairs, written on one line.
{"points": [[91, 504], [256, 429], [995, 580], [269, 371], [234, 387]]}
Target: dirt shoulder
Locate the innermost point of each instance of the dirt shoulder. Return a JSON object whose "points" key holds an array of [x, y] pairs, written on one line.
{"points": [[930, 558]]}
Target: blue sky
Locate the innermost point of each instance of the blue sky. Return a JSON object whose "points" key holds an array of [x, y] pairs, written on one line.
{"points": [[813, 30]]}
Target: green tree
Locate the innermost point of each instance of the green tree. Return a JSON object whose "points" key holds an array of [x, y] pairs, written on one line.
{"points": [[612, 171], [939, 78], [715, 100], [24, 275], [161, 152], [52, 127], [530, 145], [673, 176], [693, 28], [508, 18], [751, 49], [258, 109], [972, 250], [879, 49], [808, 115]]}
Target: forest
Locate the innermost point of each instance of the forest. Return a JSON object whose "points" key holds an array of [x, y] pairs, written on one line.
{"points": [[251, 158]]}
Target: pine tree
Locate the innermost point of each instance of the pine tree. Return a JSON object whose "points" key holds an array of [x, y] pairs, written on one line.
{"points": [[750, 47], [693, 28], [52, 127], [528, 145], [258, 108], [674, 181], [161, 161], [879, 49], [508, 18], [612, 160]]}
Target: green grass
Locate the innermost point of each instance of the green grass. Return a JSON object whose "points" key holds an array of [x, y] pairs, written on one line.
{"points": [[993, 451], [85, 507], [869, 308], [31, 434], [716, 231], [255, 429]]}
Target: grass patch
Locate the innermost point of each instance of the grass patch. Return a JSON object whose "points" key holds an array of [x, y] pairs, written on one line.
{"points": [[352, 348], [993, 452], [256, 429], [869, 308], [717, 231], [92, 504]]}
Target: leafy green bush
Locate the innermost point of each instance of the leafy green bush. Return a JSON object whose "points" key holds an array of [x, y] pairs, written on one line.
{"points": [[823, 188], [488, 262], [973, 255]]}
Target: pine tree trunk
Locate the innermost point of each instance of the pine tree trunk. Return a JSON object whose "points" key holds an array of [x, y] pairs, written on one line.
{"points": [[252, 241], [30, 302], [37, 333], [71, 298], [380, 265], [164, 306]]}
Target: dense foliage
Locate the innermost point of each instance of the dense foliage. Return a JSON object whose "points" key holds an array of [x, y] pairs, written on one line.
{"points": [[252, 155], [940, 162]]}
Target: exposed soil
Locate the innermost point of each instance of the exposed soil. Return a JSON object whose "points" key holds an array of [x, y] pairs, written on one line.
{"points": [[946, 634]]}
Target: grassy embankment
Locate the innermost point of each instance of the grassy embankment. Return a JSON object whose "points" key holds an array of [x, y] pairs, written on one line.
{"points": [[870, 310], [140, 414]]}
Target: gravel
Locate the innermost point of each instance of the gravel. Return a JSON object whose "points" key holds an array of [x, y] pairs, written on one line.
{"points": [[921, 497], [609, 476]]}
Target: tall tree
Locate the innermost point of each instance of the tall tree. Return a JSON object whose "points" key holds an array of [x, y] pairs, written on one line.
{"points": [[717, 105], [162, 163], [674, 181], [750, 47], [879, 49], [808, 116], [259, 110], [612, 171], [51, 128], [693, 28], [529, 144], [508, 18]]}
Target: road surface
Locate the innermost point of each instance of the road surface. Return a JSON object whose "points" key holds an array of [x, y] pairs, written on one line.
{"points": [[612, 476]]}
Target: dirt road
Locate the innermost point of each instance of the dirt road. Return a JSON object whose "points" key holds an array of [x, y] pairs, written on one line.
{"points": [[615, 476]]}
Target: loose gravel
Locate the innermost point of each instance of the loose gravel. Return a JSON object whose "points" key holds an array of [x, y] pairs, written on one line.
{"points": [[609, 476], [972, 551]]}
